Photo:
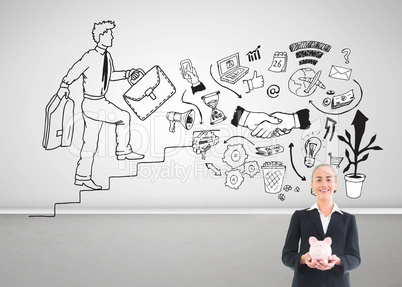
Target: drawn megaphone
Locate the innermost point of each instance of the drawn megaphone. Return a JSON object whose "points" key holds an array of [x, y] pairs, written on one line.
{"points": [[186, 119]]}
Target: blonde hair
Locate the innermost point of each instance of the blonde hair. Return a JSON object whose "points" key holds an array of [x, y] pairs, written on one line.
{"points": [[320, 166]]}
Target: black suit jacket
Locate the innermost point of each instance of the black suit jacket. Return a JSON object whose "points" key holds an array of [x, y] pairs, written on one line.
{"points": [[345, 244]]}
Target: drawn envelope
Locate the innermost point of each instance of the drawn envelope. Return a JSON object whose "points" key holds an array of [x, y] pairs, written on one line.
{"points": [[340, 73]]}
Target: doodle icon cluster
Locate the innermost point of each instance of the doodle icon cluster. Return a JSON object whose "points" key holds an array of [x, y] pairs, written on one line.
{"points": [[262, 139]]}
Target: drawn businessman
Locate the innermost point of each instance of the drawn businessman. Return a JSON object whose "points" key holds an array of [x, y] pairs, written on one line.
{"points": [[96, 69]]}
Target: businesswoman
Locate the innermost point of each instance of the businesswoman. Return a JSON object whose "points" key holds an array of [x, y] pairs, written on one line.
{"points": [[323, 219]]}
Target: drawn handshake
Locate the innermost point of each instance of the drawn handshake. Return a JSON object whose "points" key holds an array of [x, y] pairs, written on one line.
{"points": [[263, 125]]}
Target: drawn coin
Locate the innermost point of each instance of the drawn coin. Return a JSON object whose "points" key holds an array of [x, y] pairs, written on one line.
{"points": [[330, 92], [273, 91], [287, 188], [326, 102]]}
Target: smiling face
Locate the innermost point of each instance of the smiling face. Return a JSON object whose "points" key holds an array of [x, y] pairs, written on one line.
{"points": [[324, 182]]}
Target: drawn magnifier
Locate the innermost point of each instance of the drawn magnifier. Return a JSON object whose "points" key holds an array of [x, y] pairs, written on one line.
{"points": [[211, 100]]}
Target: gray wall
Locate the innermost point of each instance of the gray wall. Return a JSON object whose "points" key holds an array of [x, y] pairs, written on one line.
{"points": [[42, 40], [175, 250]]}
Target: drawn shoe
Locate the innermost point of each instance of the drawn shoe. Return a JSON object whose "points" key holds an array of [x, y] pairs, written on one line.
{"points": [[88, 183], [130, 156]]}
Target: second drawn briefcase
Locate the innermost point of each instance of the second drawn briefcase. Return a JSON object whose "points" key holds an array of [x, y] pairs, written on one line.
{"points": [[148, 92]]}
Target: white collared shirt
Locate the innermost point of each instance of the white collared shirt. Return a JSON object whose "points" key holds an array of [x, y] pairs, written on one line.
{"points": [[325, 220]]}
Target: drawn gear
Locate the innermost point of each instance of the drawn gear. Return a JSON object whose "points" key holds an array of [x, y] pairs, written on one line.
{"points": [[251, 168], [234, 179], [235, 155]]}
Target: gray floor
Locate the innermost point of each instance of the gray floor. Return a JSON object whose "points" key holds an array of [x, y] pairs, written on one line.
{"points": [[174, 250]]}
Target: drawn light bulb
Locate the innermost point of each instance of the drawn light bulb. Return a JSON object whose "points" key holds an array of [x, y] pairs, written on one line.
{"points": [[312, 147]]}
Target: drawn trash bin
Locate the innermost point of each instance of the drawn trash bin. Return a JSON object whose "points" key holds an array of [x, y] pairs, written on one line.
{"points": [[273, 174]]}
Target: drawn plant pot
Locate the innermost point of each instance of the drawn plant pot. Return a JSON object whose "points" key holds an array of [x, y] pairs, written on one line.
{"points": [[354, 184]]}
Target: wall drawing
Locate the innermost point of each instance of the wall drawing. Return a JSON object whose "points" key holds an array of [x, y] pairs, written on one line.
{"points": [[245, 143], [355, 154]]}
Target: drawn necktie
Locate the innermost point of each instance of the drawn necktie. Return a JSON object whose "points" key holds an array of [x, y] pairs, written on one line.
{"points": [[105, 70]]}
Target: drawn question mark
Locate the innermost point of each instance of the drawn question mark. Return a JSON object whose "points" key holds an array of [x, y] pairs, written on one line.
{"points": [[347, 52]]}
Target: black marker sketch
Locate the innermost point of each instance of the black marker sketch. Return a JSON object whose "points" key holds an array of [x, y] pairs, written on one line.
{"points": [[335, 160], [345, 98], [204, 141], [214, 169], [212, 100], [330, 123], [313, 82], [281, 197], [109, 182], [302, 177], [279, 62], [230, 70], [354, 181], [330, 92], [273, 91], [340, 73], [297, 189], [312, 146], [234, 179], [97, 70], [251, 168], [210, 72], [313, 49], [59, 123], [347, 52], [308, 61], [232, 137], [342, 100], [189, 73], [199, 111], [287, 188], [255, 82], [270, 150], [235, 155], [326, 102], [265, 125], [310, 45], [273, 174], [186, 119], [254, 55], [304, 82], [148, 92]]}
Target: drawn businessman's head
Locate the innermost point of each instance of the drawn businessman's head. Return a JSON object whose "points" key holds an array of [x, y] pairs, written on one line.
{"points": [[102, 33]]}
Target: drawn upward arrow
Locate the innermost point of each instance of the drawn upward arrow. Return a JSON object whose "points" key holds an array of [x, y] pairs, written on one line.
{"points": [[359, 122], [303, 178], [330, 122]]}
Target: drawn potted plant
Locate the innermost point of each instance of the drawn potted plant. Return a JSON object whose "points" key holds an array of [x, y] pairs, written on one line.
{"points": [[354, 181]]}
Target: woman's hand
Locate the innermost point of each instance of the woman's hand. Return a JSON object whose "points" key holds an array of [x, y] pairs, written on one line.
{"points": [[320, 265], [306, 259], [332, 261]]}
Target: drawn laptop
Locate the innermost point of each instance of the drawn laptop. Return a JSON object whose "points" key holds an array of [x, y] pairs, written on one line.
{"points": [[230, 70]]}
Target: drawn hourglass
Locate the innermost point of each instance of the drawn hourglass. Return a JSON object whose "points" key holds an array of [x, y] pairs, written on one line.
{"points": [[211, 100]]}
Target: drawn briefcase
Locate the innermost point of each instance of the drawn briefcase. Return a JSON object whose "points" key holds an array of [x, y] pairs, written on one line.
{"points": [[148, 92], [59, 123]]}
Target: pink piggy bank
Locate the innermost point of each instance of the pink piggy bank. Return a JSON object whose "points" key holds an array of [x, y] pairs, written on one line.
{"points": [[320, 250]]}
